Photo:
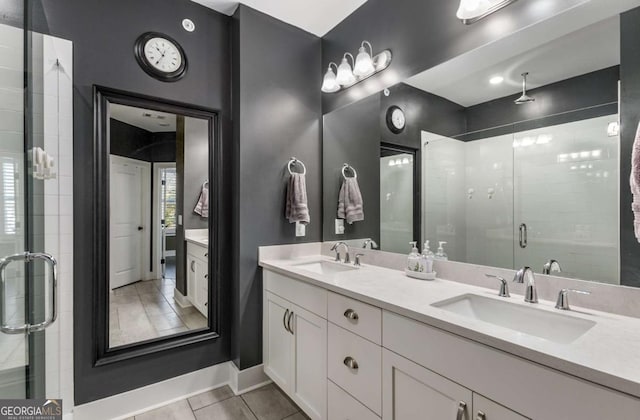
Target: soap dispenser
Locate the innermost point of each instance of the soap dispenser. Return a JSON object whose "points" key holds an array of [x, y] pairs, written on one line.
{"points": [[441, 255], [427, 258], [413, 263]]}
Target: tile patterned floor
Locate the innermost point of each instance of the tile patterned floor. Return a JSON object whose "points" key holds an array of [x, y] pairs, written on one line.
{"points": [[146, 310], [266, 403]]}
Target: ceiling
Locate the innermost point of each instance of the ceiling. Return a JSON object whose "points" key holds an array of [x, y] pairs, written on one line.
{"points": [[317, 17], [153, 121], [592, 48]]}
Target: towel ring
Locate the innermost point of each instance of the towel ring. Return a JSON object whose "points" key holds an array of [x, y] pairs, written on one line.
{"points": [[344, 169], [294, 161]]}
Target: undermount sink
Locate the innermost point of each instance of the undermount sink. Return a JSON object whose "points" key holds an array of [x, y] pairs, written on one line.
{"points": [[556, 327], [325, 267]]}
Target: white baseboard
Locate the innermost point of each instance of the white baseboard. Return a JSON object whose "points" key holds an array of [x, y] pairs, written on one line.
{"points": [[246, 380], [181, 299], [156, 395]]}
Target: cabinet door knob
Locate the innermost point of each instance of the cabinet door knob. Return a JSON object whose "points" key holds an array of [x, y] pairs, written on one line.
{"points": [[351, 314], [289, 322], [350, 362], [206, 254], [206, 276], [462, 409], [284, 320], [481, 416]]}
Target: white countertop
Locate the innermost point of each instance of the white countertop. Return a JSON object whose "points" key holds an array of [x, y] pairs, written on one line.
{"points": [[608, 354], [198, 237]]}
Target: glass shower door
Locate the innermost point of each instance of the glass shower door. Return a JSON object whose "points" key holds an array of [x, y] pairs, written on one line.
{"points": [[566, 199], [27, 186]]}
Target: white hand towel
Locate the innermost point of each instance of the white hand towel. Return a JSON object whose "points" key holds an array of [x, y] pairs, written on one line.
{"points": [[350, 204], [297, 209], [202, 207]]}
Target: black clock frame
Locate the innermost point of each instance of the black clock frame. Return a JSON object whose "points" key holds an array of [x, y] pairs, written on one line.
{"points": [[146, 65], [389, 119]]}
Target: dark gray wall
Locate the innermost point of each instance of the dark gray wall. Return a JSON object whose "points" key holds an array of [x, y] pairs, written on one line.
{"points": [[136, 143], [421, 34], [352, 135], [577, 93], [630, 117], [277, 114], [103, 34]]}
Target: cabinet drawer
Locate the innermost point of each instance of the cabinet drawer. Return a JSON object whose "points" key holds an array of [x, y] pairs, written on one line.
{"points": [[484, 409], [363, 379], [355, 316], [506, 379], [197, 251], [343, 406], [311, 298]]}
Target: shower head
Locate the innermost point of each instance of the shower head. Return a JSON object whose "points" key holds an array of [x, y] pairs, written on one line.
{"points": [[524, 99]]}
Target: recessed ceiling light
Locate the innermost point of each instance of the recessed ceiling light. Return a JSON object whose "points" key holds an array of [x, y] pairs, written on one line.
{"points": [[496, 80]]}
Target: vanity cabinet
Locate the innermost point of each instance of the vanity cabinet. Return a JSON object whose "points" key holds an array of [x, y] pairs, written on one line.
{"points": [[198, 277], [342, 359], [411, 391], [295, 343]]}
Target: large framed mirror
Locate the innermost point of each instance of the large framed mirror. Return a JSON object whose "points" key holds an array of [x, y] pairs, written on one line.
{"points": [[522, 149], [157, 183]]}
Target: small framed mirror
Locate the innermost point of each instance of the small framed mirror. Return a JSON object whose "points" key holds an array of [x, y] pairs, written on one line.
{"points": [[156, 189]]}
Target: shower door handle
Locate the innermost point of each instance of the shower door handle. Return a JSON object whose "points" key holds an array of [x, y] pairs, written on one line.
{"points": [[523, 235], [28, 257]]}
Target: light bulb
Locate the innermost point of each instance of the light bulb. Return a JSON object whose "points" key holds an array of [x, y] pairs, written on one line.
{"points": [[329, 83], [364, 64], [345, 75]]}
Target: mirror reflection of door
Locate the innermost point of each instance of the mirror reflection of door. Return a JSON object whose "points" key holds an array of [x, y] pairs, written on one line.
{"points": [[157, 160], [397, 198]]}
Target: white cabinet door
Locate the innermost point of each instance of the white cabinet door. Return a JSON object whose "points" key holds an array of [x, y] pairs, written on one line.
{"points": [[277, 341], [191, 279], [409, 392], [309, 385], [202, 286], [484, 409]]}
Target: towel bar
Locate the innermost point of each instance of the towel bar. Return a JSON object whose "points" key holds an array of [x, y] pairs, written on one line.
{"points": [[294, 160]]}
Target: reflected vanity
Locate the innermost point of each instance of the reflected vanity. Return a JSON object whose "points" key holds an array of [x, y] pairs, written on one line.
{"points": [[159, 282], [504, 183]]}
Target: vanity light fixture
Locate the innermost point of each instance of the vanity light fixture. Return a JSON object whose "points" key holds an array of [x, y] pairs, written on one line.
{"points": [[364, 65], [496, 80], [345, 73], [329, 83], [471, 11]]}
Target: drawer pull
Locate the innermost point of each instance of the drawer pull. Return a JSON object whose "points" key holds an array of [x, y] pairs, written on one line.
{"points": [[206, 254], [462, 409], [284, 320], [289, 323], [206, 276], [351, 314], [351, 363], [481, 416], [192, 264]]}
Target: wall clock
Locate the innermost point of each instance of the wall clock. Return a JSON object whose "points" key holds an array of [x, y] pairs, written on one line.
{"points": [[160, 56], [396, 120]]}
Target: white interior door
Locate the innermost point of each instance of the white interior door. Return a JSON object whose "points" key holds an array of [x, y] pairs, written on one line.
{"points": [[126, 220]]}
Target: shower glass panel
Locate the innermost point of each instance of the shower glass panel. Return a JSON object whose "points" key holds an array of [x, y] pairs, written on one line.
{"points": [[527, 197], [566, 193]]}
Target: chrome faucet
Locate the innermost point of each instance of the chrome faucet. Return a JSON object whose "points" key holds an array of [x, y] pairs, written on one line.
{"points": [[370, 242], [552, 266], [525, 276], [504, 286], [336, 247], [563, 298]]}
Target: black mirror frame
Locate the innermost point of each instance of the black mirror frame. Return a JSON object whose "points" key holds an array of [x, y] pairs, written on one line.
{"points": [[100, 337]]}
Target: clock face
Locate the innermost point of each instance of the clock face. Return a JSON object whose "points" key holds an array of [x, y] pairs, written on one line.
{"points": [[396, 120], [160, 56], [163, 55], [397, 117]]}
